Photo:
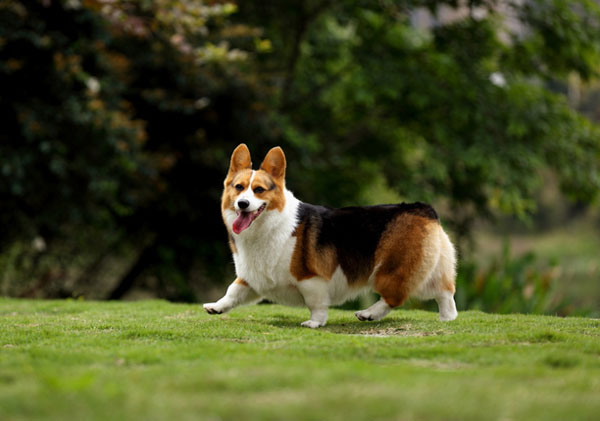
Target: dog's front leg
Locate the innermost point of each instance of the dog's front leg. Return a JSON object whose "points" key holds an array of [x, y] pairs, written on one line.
{"points": [[316, 297], [238, 293]]}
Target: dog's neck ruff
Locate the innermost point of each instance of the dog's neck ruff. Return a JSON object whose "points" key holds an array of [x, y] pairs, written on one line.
{"points": [[265, 248]]}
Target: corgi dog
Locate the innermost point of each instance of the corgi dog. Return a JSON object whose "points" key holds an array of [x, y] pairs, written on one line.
{"points": [[298, 254]]}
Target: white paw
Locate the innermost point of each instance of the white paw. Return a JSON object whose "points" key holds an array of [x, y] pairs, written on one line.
{"points": [[313, 324], [448, 316], [215, 308], [376, 312], [365, 315]]}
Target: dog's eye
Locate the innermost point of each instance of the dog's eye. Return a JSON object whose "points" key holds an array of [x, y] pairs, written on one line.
{"points": [[239, 187], [259, 190]]}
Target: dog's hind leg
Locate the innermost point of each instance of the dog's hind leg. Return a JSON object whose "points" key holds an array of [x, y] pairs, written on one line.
{"points": [[441, 284], [376, 312], [447, 306], [405, 260], [238, 293], [394, 289], [444, 277]]}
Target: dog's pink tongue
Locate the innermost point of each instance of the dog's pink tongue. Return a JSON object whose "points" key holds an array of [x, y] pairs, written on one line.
{"points": [[242, 222]]}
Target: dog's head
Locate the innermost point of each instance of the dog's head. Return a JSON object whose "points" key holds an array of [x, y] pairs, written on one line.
{"points": [[248, 193]]}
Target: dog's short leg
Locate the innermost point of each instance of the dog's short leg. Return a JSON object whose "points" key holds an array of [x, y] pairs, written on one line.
{"points": [[447, 306], [376, 312], [315, 292], [238, 293]]}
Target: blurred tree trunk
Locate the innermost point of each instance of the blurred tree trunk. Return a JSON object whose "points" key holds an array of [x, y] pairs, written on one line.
{"points": [[303, 21], [145, 259]]}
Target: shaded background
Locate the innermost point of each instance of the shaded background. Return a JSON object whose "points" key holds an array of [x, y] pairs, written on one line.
{"points": [[119, 117]]}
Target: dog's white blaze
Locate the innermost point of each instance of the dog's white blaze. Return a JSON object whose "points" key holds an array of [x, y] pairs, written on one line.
{"points": [[248, 194]]}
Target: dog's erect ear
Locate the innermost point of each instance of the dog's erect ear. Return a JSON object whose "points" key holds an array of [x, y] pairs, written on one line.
{"points": [[274, 163], [240, 159]]}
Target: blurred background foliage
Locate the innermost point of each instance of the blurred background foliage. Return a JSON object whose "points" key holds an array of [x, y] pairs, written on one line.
{"points": [[118, 119]]}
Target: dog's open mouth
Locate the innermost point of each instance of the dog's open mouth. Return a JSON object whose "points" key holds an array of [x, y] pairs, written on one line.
{"points": [[245, 219]]}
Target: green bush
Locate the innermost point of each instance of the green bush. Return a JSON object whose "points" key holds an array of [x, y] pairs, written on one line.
{"points": [[520, 284]]}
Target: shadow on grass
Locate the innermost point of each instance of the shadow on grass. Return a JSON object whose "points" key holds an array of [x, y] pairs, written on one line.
{"points": [[386, 327]]}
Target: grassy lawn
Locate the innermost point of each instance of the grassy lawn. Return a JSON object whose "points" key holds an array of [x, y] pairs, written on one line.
{"points": [[156, 360]]}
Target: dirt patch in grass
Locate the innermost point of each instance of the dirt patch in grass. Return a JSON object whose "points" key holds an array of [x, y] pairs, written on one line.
{"points": [[398, 331]]}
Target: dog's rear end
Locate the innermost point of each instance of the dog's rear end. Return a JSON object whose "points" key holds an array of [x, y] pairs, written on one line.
{"points": [[414, 258]]}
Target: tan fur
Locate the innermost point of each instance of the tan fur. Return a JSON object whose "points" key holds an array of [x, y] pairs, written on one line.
{"points": [[274, 188], [447, 265], [406, 253], [449, 284], [240, 160], [240, 281], [309, 261], [232, 244], [274, 163]]}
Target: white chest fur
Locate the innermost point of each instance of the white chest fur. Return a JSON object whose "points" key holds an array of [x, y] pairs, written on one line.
{"points": [[264, 253]]}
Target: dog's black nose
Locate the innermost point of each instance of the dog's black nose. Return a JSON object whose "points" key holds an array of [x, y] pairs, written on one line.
{"points": [[243, 204]]}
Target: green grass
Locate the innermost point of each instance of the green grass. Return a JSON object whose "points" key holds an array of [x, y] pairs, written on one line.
{"points": [[157, 360]]}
